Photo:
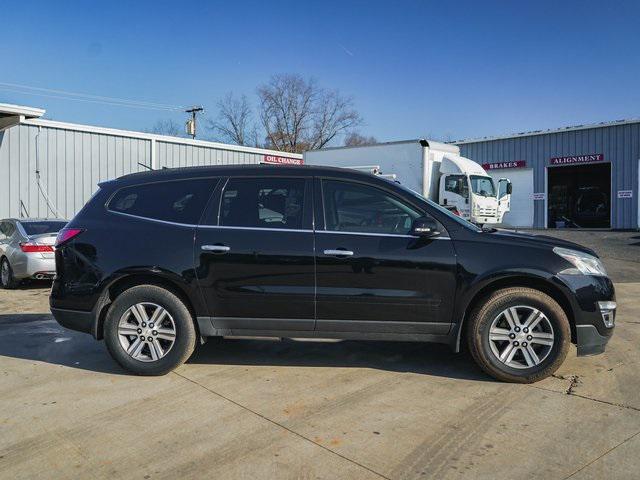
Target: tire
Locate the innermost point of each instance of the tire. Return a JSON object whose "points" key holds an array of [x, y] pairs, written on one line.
{"points": [[124, 317], [549, 338], [7, 280]]}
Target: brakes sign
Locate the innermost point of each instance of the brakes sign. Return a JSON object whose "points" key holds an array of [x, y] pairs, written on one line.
{"points": [[282, 160]]}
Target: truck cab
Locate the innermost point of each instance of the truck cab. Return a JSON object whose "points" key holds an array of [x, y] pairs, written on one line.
{"points": [[466, 188]]}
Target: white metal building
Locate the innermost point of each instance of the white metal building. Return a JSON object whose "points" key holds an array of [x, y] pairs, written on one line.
{"points": [[50, 169]]}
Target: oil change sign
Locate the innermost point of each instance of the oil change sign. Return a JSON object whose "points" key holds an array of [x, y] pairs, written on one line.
{"points": [[625, 193], [282, 160]]}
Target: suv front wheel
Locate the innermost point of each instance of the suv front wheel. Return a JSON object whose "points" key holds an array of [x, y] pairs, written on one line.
{"points": [[519, 335], [149, 330]]}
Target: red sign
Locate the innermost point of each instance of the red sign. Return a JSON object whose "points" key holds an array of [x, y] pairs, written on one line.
{"points": [[282, 160], [500, 165], [592, 157]]}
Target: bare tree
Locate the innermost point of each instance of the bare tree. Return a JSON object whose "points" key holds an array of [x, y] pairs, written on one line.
{"points": [[298, 115], [354, 139], [235, 121], [167, 127]]}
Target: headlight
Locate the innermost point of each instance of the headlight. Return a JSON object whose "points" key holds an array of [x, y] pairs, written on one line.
{"points": [[584, 263]]}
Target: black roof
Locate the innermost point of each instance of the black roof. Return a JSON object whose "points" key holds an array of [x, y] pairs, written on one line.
{"points": [[230, 170]]}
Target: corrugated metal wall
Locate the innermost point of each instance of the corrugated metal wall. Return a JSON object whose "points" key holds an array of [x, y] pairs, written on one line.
{"points": [[72, 160], [620, 145], [71, 163], [173, 155]]}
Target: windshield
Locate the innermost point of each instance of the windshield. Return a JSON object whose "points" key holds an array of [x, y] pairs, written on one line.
{"points": [[38, 228], [440, 208], [483, 186]]}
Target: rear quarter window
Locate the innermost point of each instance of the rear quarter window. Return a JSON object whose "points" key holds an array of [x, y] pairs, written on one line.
{"points": [[179, 201]]}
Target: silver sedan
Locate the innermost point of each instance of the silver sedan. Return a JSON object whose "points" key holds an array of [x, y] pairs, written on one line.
{"points": [[26, 249]]}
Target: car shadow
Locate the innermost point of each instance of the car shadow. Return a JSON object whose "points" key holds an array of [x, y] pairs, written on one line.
{"points": [[406, 357], [34, 285], [38, 337]]}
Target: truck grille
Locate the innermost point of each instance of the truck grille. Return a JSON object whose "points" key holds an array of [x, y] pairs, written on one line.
{"points": [[487, 212]]}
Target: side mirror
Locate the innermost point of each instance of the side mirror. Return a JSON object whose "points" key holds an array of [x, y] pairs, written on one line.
{"points": [[424, 227], [509, 188]]}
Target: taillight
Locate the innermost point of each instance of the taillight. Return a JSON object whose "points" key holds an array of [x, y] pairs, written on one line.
{"points": [[29, 247], [455, 212], [67, 234]]}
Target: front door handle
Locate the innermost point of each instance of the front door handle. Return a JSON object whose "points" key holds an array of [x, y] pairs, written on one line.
{"points": [[215, 248], [339, 253]]}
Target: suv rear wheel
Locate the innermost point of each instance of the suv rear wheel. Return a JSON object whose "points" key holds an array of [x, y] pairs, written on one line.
{"points": [[519, 335], [149, 330]]}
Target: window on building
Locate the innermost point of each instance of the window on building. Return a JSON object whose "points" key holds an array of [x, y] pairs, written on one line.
{"points": [[267, 202], [180, 201], [353, 207]]}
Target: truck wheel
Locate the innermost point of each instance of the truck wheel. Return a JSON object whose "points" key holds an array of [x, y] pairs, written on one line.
{"points": [[7, 280], [518, 335], [149, 331]]}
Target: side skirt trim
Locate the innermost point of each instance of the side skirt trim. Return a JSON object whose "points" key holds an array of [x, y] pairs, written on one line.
{"points": [[335, 329]]}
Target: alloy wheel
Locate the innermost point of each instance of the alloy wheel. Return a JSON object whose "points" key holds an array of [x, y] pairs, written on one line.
{"points": [[146, 331], [4, 273], [521, 337]]}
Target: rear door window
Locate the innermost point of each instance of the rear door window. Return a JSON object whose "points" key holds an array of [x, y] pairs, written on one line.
{"points": [[178, 201], [268, 202]]}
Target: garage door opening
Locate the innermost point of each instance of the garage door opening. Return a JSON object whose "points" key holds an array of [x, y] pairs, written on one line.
{"points": [[579, 196]]}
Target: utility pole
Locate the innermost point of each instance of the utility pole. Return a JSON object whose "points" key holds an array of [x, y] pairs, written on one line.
{"points": [[190, 127]]}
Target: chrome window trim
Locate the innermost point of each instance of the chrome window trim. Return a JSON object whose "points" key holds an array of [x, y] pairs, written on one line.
{"points": [[230, 227], [381, 235], [157, 220], [301, 230]]}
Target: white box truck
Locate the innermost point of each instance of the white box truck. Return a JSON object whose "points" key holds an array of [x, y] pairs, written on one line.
{"points": [[435, 170]]}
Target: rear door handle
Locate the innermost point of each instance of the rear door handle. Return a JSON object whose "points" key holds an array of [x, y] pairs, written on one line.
{"points": [[339, 253], [215, 248]]}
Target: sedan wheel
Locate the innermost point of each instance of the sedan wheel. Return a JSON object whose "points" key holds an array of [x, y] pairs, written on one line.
{"points": [[5, 272], [6, 275]]}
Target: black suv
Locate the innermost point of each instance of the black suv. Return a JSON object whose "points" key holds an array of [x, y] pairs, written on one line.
{"points": [[158, 261]]}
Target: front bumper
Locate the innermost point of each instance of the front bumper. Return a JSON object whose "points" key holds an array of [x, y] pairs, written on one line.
{"points": [[594, 308], [479, 219], [589, 341]]}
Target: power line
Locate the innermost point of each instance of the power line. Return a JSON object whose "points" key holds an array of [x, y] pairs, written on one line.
{"points": [[83, 97]]}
